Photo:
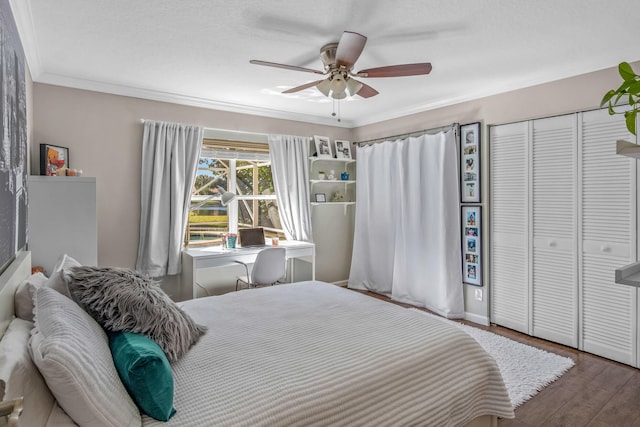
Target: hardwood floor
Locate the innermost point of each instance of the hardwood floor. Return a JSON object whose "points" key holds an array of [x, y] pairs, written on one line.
{"points": [[596, 392]]}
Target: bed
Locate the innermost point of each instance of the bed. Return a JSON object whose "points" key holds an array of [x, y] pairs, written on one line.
{"points": [[309, 353]]}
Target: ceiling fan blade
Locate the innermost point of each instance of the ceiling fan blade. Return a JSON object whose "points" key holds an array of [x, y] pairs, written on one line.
{"points": [[397, 70], [366, 91], [288, 67], [302, 87], [349, 49]]}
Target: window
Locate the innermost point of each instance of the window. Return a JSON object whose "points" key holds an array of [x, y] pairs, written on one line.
{"points": [[244, 169]]}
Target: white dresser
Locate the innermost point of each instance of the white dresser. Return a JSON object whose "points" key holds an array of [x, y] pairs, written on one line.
{"points": [[62, 219]]}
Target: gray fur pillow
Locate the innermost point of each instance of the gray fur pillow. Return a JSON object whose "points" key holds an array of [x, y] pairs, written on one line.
{"points": [[125, 300]]}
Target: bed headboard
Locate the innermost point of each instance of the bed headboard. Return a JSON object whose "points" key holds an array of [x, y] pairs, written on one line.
{"points": [[10, 279]]}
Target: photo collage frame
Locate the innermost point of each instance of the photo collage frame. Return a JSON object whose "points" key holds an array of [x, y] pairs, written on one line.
{"points": [[470, 163], [472, 245]]}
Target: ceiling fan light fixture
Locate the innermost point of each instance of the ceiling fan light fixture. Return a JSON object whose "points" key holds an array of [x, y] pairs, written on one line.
{"points": [[338, 84], [324, 87], [339, 95], [353, 86]]}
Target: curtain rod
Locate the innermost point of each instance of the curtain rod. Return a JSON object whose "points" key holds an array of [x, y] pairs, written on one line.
{"points": [[453, 126]]}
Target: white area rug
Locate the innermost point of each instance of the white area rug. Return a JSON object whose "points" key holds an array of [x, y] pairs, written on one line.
{"points": [[525, 370]]}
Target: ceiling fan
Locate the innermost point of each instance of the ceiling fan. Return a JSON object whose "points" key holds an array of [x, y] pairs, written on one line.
{"points": [[339, 59]]}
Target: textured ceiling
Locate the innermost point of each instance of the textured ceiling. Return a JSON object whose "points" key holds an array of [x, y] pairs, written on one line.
{"points": [[197, 52]]}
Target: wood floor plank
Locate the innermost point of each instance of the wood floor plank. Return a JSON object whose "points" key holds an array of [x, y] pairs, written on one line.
{"points": [[622, 410]]}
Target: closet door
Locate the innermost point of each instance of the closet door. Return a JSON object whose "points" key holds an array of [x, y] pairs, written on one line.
{"points": [[554, 270], [509, 226], [608, 230]]}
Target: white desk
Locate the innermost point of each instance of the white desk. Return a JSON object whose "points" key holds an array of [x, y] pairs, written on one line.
{"points": [[215, 256]]}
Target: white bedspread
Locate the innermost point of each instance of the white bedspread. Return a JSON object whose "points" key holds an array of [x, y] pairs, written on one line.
{"points": [[312, 353]]}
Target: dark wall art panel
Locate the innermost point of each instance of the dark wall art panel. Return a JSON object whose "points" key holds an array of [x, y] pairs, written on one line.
{"points": [[13, 147]]}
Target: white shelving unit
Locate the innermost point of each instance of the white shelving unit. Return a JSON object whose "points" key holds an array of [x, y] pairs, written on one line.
{"points": [[331, 186], [333, 222]]}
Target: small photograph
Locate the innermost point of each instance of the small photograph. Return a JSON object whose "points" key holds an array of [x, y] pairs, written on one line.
{"points": [[470, 164], [52, 158], [469, 134], [471, 245], [320, 197], [471, 271], [470, 149], [471, 231], [323, 147], [471, 218], [473, 259], [470, 189], [343, 149], [470, 176]]}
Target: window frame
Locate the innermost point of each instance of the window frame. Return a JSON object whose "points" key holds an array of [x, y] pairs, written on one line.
{"points": [[226, 150]]}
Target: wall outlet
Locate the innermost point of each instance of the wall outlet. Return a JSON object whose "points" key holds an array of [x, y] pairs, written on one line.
{"points": [[478, 294]]}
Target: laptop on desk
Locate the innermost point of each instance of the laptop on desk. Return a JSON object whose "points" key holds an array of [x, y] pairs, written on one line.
{"points": [[251, 237]]}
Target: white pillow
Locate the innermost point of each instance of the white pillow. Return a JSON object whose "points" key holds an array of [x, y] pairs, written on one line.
{"points": [[22, 376], [64, 263], [23, 299], [72, 353], [58, 282]]}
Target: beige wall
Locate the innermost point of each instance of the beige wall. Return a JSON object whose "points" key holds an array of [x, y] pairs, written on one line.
{"points": [[104, 135]]}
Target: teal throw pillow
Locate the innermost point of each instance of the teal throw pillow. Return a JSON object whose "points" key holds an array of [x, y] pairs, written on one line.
{"points": [[145, 372]]}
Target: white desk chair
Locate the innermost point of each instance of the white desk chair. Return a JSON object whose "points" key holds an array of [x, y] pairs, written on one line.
{"points": [[269, 267]]}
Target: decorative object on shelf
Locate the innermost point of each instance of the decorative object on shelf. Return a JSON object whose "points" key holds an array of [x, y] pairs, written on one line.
{"points": [[68, 172], [344, 176], [343, 149], [321, 175], [470, 163], [630, 90], [471, 245], [320, 197], [323, 147], [53, 158], [337, 196], [332, 175]]}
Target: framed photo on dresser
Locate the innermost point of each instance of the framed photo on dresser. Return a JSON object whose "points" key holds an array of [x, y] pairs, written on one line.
{"points": [[470, 163]]}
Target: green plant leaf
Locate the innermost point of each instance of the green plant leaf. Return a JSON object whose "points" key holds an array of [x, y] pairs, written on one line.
{"points": [[626, 72], [607, 97], [630, 118], [634, 88]]}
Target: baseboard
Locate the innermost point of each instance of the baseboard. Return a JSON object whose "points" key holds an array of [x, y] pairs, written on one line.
{"points": [[475, 318], [342, 283]]}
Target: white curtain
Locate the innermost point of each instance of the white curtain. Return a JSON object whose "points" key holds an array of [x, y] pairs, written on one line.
{"points": [[170, 153], [290, 169], [407, 227]]}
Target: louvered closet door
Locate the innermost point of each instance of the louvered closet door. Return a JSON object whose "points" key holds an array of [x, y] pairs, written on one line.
{"points": [[509, 226], [554, 273], [608, 227]]}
